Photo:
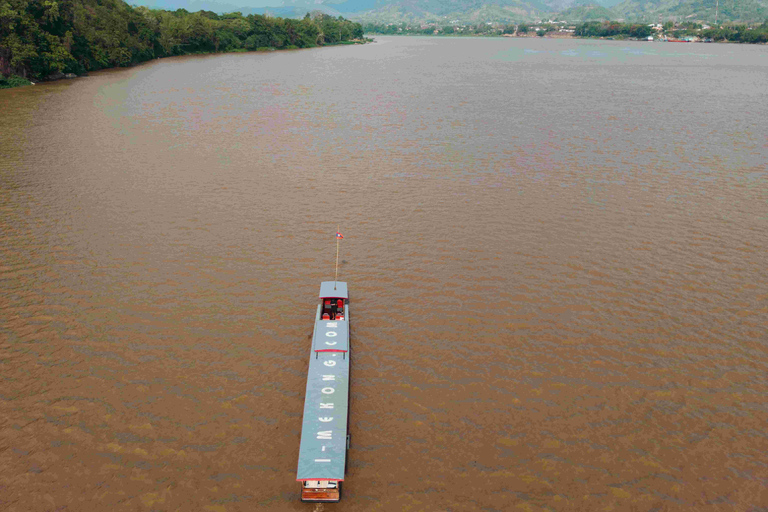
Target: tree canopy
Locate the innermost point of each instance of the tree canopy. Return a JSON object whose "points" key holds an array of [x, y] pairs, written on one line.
{"points": [[43, 37]]}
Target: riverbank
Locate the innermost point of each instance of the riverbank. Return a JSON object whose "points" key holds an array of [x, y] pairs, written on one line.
{"points": [[8, 82], [571, 35], [18, 81]]}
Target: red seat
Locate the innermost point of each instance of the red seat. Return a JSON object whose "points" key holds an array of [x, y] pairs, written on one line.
{"points": [[340, 304], [326, 316]]}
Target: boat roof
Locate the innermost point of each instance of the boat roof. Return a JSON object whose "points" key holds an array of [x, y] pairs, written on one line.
{"points": [[333, 289], [323, 450], [331, 336]]}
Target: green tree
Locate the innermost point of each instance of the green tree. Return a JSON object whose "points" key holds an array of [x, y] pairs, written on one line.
{"points": [[640, 31]]}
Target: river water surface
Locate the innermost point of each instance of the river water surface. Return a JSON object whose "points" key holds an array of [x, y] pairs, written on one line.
{"points": [[556, 252]]}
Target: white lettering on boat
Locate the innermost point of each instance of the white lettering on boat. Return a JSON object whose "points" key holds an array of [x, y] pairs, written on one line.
{"points": [[331, 333]]}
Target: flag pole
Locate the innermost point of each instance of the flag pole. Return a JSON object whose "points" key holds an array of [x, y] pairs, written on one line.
{"points": [[336, 277]]}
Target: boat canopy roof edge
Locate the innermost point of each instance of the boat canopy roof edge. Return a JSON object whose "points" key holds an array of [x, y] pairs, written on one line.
{"points": [[330, 336], [333, 289]]}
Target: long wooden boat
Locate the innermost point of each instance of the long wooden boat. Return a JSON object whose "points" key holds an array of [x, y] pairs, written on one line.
{"points": [[324, 438]]}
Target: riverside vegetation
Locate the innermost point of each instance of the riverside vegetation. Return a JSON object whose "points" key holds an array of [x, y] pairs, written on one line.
{"points": [[732, 32], [42, 39], [739, 33]]}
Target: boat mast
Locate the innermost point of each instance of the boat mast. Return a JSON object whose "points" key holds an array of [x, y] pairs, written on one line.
{"points": [[336, 277]]}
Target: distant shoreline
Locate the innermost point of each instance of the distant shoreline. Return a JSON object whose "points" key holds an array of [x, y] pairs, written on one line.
{"points": [[562, 36], [686, 32]]}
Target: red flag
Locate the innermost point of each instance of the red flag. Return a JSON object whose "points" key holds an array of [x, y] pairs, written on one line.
{"points": [[339, 235]]}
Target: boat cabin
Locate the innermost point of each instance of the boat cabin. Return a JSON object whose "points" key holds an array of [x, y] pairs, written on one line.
{"points": [[333, 297]]}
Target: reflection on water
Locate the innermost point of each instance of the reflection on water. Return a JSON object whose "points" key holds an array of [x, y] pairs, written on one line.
{"points": [[555, 250]]}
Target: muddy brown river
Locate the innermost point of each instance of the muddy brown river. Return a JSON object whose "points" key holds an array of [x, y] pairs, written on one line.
{"points": [[556, 250]]}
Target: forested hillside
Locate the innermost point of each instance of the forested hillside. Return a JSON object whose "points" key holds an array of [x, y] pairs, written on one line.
{"points": [[702, 10], [517, 11], [586, 12], [39, 38], [498, 11]]}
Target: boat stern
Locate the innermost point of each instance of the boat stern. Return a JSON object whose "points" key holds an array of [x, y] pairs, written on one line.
{"points": [[320, 491]]}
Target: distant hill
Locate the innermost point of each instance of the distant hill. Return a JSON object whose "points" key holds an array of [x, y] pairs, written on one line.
{"points": [[229, 6], [701, 10], [587, 12], [463, 11], [608, 3], [477, 11]]}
